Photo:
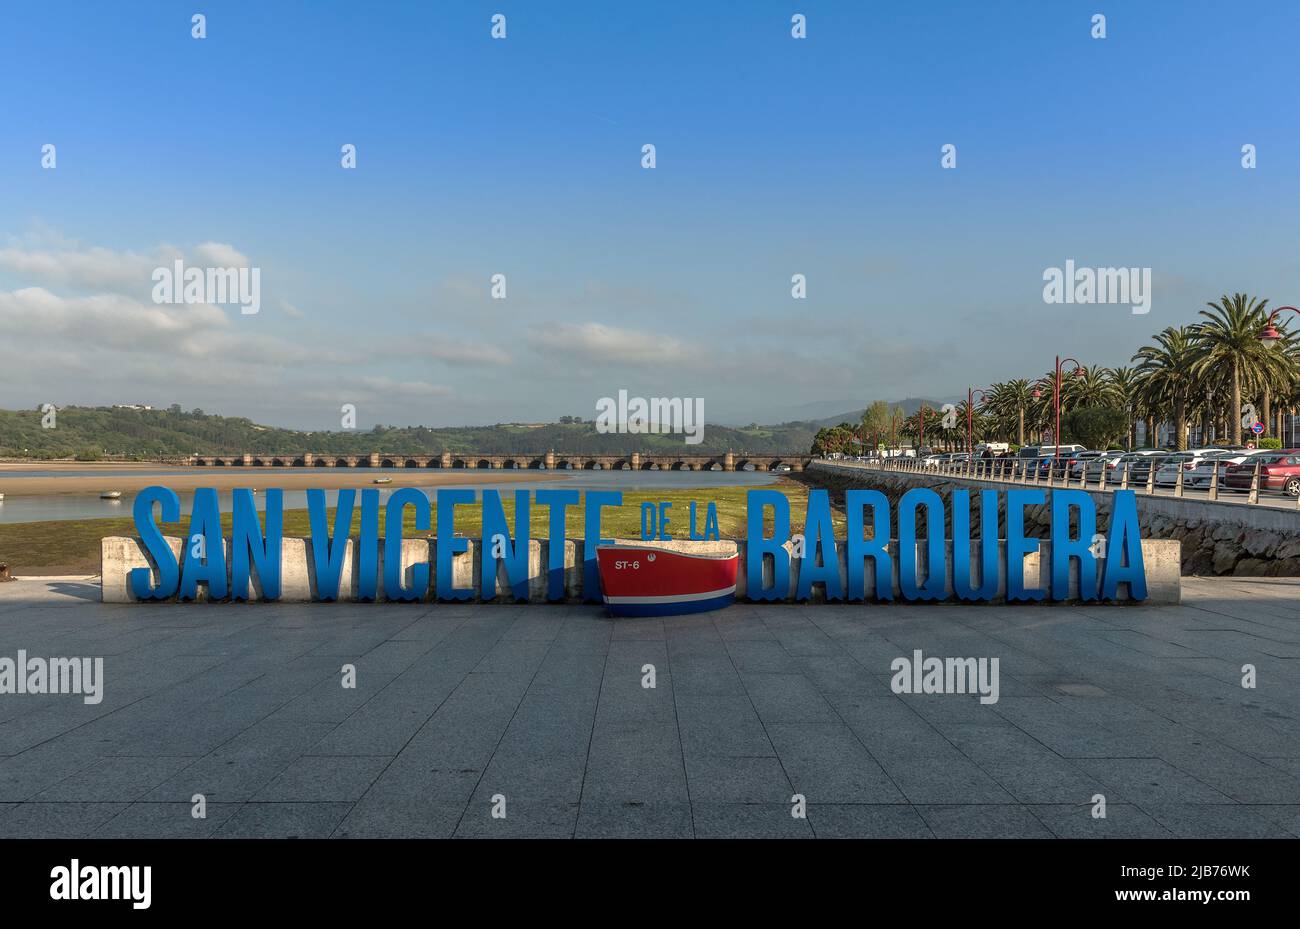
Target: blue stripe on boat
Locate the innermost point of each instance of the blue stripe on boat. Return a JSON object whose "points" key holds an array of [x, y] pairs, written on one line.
{"points": [[675, 608]]}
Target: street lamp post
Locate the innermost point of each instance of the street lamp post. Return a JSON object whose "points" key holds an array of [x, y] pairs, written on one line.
{"points": [[920, 417], [1056, 396], [1269, 335]]}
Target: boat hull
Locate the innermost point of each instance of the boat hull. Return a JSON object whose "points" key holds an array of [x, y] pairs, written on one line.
{"points": [[647, 581]]}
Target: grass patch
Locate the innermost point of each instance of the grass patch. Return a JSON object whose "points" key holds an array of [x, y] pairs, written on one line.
{"points": [[72, 546]]}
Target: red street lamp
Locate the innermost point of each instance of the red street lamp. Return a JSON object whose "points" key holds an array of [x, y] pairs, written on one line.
{"points": [[1056, 396], [1269, 335], [920, 417], [970, 403]]}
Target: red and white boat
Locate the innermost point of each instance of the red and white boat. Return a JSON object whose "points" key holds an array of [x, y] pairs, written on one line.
{"points": [[646, 580]]}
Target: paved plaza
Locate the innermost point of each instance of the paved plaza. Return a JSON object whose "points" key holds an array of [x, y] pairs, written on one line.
{"points": [[540, 713]]}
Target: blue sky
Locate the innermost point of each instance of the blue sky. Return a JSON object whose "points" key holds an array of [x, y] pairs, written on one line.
{"points": [[522, 156]]}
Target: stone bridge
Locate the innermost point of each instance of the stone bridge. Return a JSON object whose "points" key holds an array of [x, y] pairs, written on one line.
{"points": [[636, 461]]}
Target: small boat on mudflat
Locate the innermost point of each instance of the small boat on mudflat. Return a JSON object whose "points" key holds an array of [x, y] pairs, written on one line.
{"points": [[383, 480], [111, 495], [645, 580]]}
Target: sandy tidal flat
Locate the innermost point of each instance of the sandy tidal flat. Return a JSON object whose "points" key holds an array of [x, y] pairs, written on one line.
{"points": [[188, 479]]}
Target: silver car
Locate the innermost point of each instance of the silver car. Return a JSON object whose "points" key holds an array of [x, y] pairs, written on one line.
{"points": [[1167, 473], [1200, 475], [1082, 460], [1102, 464], [1126, 461]]}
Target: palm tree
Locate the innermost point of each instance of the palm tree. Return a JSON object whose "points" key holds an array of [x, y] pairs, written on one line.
{"points": [[1124, 384], [978, 423], [1164, 372], [1088, 387], [1009, 401], [1229, 339]]}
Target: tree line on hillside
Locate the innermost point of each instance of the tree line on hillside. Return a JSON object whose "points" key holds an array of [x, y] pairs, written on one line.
{"points": [[1236, 363], [119, 433]]}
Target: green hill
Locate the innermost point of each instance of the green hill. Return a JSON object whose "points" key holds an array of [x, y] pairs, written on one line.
{"points": [[94, 433]]}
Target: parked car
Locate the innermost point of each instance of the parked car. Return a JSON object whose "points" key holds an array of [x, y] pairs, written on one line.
{"points": [[1200, 475], [1101, 465], [1277, 471], [1124, 464], [1055, 465], [1045, 451], [1170, 465], [1141, 469], [1083, 459]]}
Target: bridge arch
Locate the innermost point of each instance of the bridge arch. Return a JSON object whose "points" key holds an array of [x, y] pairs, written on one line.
{"points": [[277, 462], [341, 463], [484, 463], [433, 463], [322, 462]]}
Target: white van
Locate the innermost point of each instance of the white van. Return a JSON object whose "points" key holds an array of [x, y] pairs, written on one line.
{"points": [[1052, 451]]}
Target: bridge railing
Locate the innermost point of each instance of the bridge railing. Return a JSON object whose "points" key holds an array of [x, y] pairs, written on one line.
{"points": [[1029, 472]]}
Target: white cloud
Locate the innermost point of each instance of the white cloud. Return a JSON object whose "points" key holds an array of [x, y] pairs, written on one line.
{"points": [[290, 310], [162, 334], [601, 344], [94, 268], [88, 268], [453, 352], [390, 387], [221, 255], [467, 353]]}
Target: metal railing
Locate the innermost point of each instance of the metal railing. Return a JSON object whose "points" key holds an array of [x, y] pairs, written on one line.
{"points": [[1028, 472]]}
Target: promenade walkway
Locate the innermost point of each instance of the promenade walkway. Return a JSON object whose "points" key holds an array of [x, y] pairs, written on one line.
{"points": [[541, 712]]}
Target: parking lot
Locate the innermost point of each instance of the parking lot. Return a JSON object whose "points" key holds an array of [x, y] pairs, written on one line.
{"points": [[1225, 494]]}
